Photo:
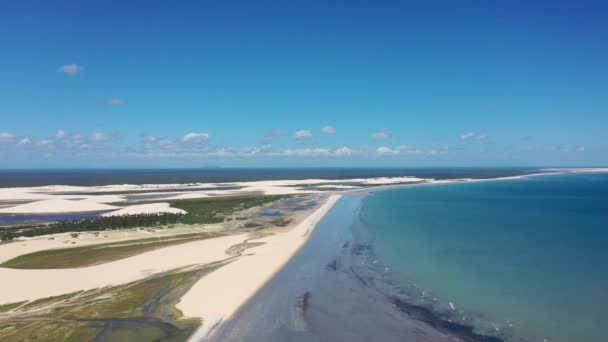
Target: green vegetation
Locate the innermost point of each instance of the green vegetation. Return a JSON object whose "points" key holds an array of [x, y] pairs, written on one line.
{"points": [[93, 224], [97, 254], [200, 211], [139, 311], [9, 307], [214, 210]]}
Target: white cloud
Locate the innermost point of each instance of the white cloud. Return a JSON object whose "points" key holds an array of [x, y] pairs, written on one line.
{"points": [[328, 130], [301, 135], [275, 134], [307, 152], [435, 152], [59, 135], [404, 149], [24, 141], [195, 137], [46, 143], [77, 138], [478, 136], [115, 102], [99, 137], [70, 69], [401, 149], [580, 149], [6, 137], [344, 151], [381, 134], [482, 136], [383, 150], [466, 136]]}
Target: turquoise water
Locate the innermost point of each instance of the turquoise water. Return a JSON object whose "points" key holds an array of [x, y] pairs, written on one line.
{"points": [[528, 256]]}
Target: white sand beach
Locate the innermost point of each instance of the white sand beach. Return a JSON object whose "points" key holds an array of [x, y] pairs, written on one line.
{"points": [[57, 206], [26, 284], [148, 208], [66, 199], [219, 294]]}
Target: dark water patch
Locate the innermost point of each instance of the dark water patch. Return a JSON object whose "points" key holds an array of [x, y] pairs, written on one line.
{"points": [[306, 206], [333, 265], [424, 314], [271, 214], [304, 302], [137, 329]]}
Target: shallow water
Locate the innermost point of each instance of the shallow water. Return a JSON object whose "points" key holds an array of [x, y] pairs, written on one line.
{"points": [[527, 257], [325, 293]]}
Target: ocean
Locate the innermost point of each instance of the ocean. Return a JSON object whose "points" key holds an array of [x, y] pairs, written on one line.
{"points": [[522, 259]]}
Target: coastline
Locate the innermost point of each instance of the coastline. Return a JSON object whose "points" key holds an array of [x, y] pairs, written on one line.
{"points": [[238, 283], [322, 295], [346, 274], [224, 291], [441, 310]]}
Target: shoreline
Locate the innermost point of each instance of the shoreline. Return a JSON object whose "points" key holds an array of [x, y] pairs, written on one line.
{"points": [[321, 296], [228, 289], [548, 172], [224, 292], [410, 312], [480, 329]]}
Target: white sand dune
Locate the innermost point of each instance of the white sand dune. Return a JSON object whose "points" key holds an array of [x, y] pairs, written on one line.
{"points": [[54, 193], [19, 285], [391, 180], [192, 195], [149, 208], [219, 294], [104, 199], [57, 206], [234, 283], [337, 186]]}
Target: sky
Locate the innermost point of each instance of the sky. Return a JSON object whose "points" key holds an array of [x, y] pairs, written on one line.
{"points": [[96, 84]]}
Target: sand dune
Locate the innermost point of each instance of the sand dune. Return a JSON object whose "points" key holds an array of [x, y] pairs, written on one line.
{"points": [[149, 208], [19, 285], [57, 206]]}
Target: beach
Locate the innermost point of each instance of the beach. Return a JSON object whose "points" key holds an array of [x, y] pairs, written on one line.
{"points": [[248, 261], [217, 296], [276, 271]]}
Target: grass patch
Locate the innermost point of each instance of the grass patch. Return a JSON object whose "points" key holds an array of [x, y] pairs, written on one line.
{"points": [[10, 306], [139, 311], [97, 254], [200, 211], [215, 210]]}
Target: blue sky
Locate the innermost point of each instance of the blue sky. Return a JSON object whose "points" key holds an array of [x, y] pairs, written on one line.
{"points": [[254, 83]]}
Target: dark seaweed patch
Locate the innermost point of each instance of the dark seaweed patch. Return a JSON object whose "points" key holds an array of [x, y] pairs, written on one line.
{"points": [[304, 302], [424, 314], [333, 265], [360, 249]]}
